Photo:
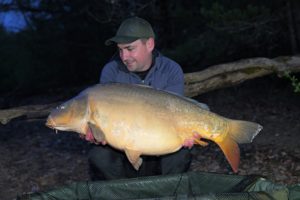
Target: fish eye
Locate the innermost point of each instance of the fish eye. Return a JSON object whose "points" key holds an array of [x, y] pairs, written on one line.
{"points": [[62, 107]]}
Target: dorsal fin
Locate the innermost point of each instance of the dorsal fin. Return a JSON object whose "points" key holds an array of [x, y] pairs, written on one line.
{"points": [[201, 105]]}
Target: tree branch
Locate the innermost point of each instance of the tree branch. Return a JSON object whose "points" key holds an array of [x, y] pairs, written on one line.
{"points": [[214, 77], [229, 74], [30, 112]]}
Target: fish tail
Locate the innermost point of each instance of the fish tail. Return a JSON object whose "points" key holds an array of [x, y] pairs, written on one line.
{"points": [[243, 131], [231, 151], [239, 132]]}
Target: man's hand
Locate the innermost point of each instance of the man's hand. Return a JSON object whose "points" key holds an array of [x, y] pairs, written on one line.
{"points": [[188, 143], [196, 139], [103, 142]]}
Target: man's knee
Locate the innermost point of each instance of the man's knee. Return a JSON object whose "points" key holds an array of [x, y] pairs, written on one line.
{"points": [[105, 163], [97, 157], [177, 162]]}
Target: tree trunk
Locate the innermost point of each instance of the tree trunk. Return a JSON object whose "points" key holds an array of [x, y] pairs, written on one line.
{"points": [[214, 77], [294, 10], [229, 74], [291, 25]]}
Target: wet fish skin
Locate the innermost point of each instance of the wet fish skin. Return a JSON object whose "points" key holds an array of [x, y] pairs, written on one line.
{"points": [[140, 120]]}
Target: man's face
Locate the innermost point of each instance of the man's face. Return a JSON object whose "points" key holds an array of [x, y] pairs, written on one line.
{"points": [[137, 56]]}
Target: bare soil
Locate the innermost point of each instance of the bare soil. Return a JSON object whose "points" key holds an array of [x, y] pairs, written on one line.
{"points": [[34, 158]]}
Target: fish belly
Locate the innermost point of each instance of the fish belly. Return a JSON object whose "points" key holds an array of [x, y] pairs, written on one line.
{"points": [[148, 132]]}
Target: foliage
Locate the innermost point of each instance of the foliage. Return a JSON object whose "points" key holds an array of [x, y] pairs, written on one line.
{"points": [[64, 42], [246, 29], [294, 81]]}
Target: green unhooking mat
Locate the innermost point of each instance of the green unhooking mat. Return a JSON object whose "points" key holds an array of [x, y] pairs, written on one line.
{"points": [[192, 185]]}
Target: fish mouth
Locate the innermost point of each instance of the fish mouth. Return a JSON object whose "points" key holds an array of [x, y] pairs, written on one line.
{"points": [[50, 122]]}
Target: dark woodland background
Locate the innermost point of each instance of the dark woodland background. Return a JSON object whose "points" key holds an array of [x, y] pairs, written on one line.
{"points": [[63, 42], [61, 51]]}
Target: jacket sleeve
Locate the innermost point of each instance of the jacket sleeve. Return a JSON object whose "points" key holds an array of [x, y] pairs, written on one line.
{"points": [[108, 73], [175, 81]]}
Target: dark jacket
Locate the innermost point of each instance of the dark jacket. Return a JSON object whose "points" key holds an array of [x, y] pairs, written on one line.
{"points": [[107, 163], [165, 74]]}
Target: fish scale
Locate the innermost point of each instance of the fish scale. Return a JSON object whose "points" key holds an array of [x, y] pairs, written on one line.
{"points": [[140, 120]]}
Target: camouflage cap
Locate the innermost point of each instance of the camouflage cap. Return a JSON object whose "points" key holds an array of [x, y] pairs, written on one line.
{"points": [[130, 30]]}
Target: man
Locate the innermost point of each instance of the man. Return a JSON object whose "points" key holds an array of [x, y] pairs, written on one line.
{"points": [[138, 63]]}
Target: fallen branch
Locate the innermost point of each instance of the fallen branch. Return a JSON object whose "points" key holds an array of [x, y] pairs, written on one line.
{"points": [[214, 77], [30, 112], [230, 74]]}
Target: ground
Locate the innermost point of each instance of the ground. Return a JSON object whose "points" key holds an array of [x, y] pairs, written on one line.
{"points": [[34, 158]]}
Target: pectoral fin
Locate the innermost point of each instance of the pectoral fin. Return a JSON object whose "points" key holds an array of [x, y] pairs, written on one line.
{"points": [[134, 158], [200, 142], [97, 132], [232, 152]]}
